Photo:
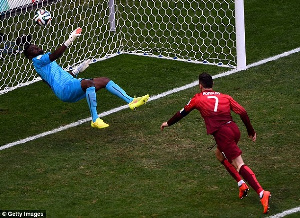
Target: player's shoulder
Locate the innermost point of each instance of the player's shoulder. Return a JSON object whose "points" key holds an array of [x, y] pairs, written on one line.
{"points": [[37, 57], [197, 95], [225, 95], [41, 56], [41, 60]]}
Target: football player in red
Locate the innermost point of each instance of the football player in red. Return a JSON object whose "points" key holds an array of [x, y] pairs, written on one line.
{"points": [[215, 108]]}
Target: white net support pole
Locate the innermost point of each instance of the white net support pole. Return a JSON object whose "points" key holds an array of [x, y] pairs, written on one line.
{"points": [[240, 34], [112, 16]]}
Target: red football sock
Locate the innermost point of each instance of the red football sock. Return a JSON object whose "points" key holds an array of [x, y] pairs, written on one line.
{"points": [[230, 168], [249, 176]]}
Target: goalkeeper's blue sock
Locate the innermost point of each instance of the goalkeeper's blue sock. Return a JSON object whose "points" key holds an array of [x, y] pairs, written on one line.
{"points": [[118, 91], [92, 102]]}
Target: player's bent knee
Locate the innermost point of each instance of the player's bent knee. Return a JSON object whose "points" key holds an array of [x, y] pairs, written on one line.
{"points": [[239, 167], [87, 83], [101, 82], [219, 155]]}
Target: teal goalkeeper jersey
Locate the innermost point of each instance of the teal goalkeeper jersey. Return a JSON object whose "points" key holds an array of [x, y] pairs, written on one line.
{"points": [[57, 78]]}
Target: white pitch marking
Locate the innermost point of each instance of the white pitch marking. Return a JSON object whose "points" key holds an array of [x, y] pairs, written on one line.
{"points": [[285, 213], [114, 110]]}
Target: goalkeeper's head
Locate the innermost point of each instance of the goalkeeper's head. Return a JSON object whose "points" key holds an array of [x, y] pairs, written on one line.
{"points": [[206, 81], [32, 51]]}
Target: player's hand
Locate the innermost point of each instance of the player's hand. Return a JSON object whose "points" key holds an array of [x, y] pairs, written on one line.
{"points": [[75, 33], [73, 36], [253, 138], [82, 67], [163, 125]]}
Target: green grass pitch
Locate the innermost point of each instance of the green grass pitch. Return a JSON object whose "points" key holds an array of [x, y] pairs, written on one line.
{"points": [[132, 169]]}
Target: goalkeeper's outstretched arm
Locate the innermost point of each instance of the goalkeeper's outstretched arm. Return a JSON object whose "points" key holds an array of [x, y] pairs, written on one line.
{"points": [[57, 53], [60, 50]]}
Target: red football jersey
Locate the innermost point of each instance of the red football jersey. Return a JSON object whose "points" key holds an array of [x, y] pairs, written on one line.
{"points": [[216, 108]]}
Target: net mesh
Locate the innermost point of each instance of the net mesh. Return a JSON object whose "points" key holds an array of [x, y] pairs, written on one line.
{"points": [[200, 31]]}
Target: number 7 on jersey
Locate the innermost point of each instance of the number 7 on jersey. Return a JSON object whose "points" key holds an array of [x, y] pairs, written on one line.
{"points": [[216, 102]]}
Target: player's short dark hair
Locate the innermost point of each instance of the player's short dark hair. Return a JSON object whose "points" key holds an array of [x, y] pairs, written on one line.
{"points": [[206, 80], [26, 51]]}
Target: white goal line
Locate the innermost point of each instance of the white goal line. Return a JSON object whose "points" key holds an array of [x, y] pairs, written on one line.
{"points": [[114, 110]]}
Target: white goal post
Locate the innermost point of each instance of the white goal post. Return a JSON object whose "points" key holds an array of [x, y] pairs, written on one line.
{"points": [[196, 31]]}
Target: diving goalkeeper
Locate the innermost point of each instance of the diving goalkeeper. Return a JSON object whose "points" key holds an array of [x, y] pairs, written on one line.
{"points": [[68, 88]]}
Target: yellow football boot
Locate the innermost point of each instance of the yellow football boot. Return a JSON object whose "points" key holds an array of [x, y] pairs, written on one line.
{"points": [[100, 124], [139, 101]]}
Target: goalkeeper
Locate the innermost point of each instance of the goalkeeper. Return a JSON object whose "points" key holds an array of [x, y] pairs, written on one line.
{"points": [[68, 88]]}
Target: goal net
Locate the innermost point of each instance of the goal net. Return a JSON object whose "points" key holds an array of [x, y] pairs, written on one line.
{"points": [[197, 31]]}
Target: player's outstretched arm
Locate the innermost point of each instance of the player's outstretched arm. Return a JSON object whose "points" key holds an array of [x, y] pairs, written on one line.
{"points": [[57, 53], [177, 117], [60, 50]]}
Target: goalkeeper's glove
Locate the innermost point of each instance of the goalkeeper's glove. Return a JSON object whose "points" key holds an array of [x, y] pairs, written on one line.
{"points": [[73, 36], [81, 67]]}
